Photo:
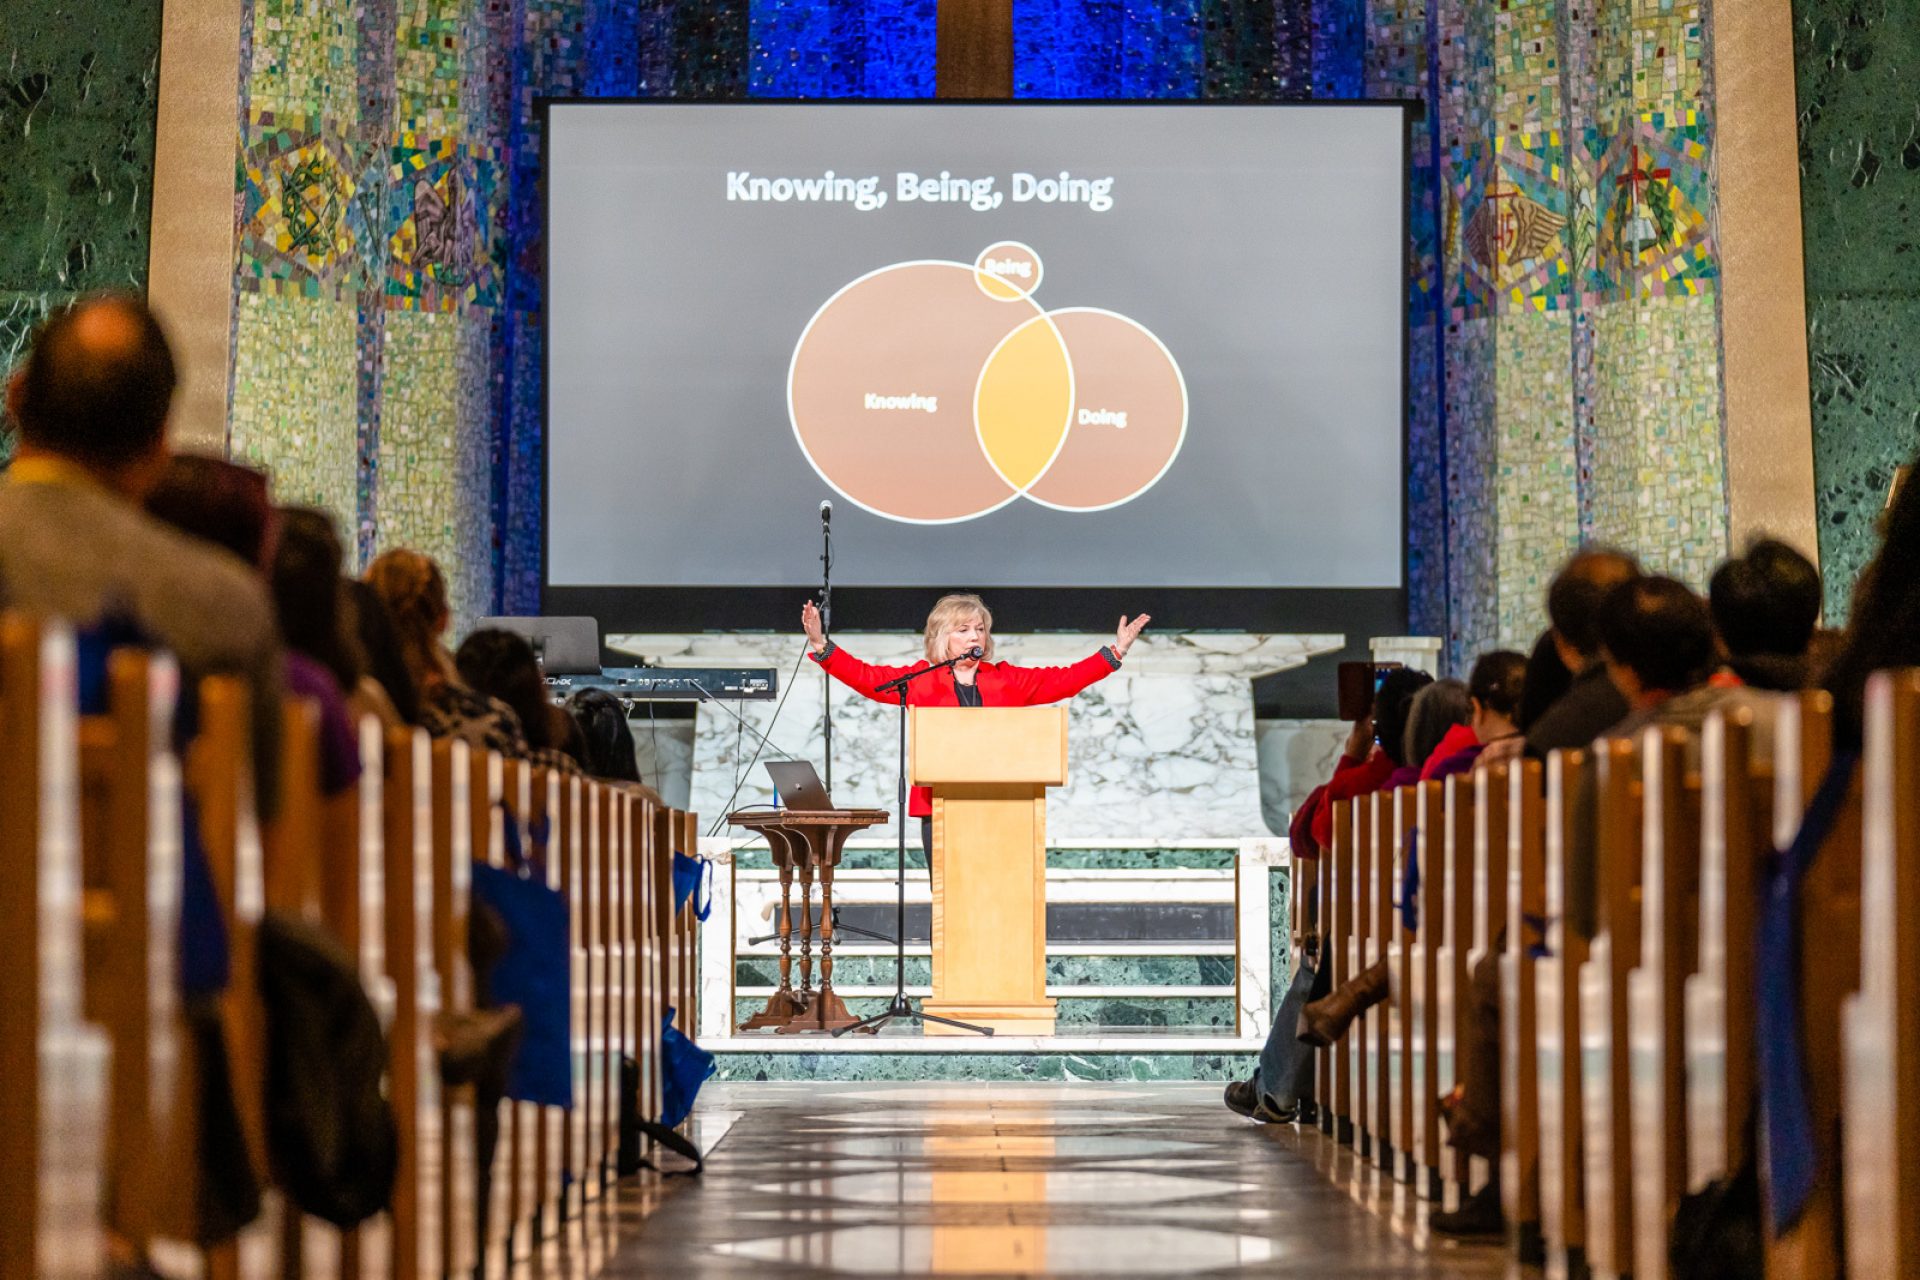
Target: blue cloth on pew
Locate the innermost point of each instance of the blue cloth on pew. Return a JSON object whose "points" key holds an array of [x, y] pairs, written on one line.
{"points": [[684, 1067], [1410, 884], [1792, 1164], [691, 875]]}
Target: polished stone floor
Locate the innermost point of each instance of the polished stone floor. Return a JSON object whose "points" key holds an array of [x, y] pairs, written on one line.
{"points": [[1000, 1179]]}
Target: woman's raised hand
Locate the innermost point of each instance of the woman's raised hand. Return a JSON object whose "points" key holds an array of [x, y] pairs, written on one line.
{"points": [[810, 623], [1128, 632]]}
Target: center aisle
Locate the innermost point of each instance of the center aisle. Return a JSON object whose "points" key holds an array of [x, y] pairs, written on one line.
{"points": [[997, 1179]]}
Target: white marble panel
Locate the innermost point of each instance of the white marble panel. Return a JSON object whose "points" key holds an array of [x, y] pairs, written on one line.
{"points": [[1162, 749], [1254, 973], [1295, 757], [717, 945], [663, 750]]}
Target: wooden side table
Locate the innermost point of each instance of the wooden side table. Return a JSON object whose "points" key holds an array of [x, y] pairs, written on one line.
{"points": [[806, 844]]}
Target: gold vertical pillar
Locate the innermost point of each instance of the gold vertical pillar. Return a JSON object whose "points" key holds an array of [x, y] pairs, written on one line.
{"points": [[190, 267], [974, 49], [1763, 302]]}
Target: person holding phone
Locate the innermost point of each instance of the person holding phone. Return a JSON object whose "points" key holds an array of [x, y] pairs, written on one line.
{"points": [[960, 630]]}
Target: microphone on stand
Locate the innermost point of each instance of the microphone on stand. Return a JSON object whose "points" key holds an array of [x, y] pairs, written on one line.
{"points": [[826, 511]]}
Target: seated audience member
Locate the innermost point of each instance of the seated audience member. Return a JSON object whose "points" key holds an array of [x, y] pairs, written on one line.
{"points": [[603, 722], [1545, 683], [610, 751], [1576, 602], [1438, 708], [502, 665], [1438, 721], [1494, 692], [1765, 606], [568, 736], [227, 505], [385, 689], [415, 594], [323, 660], [1883, 631], [1658, 640], [90, 404], [1375, 751]]}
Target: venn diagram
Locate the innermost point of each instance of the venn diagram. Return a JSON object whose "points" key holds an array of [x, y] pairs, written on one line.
{"points": [[933, 392]]}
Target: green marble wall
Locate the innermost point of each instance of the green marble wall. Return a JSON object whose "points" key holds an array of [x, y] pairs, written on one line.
{"points": [[1860, 199], [78, 99]]}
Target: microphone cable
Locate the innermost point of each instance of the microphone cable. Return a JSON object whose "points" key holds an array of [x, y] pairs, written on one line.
{"points": [[740, 778]]}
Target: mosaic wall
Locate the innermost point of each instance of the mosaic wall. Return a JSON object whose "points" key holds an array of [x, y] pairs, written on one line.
{"points": [[78, 99], [1563, 317], [1860, 199]]}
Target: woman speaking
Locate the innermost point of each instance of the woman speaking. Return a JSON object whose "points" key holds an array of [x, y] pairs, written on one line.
{"points": [[960, 625]]}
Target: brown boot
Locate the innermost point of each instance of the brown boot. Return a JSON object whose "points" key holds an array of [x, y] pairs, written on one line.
{"points": [[1326, 1020]]}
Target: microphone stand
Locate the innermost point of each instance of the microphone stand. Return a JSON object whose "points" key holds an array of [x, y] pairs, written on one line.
{"points": [[826, 628], [900, 1006]]}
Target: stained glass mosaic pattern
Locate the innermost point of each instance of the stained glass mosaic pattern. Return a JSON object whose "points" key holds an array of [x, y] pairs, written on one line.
{"points": [[1562, 273]]}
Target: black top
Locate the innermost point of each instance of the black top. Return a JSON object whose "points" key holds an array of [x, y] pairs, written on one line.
{"points": [[1586, 710], [969, 694]]}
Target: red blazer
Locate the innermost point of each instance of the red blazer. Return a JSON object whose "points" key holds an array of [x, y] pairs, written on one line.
{"points": [[1001, 685]]}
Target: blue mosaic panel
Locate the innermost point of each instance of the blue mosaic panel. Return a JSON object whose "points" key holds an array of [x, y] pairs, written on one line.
{"points": [[1073, 49], [1339, 49]]}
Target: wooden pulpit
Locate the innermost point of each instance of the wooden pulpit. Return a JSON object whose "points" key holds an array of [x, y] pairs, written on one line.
{"points": [[990, 768]]}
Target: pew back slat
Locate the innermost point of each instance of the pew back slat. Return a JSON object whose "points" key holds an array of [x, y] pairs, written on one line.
{"points": [[1881, 1139]]}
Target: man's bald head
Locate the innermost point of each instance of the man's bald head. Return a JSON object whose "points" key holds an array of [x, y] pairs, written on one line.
{"points": [[97, 383], [1578, 595]]}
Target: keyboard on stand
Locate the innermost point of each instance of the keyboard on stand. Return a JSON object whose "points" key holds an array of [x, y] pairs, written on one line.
{"points": [[675, 684]]}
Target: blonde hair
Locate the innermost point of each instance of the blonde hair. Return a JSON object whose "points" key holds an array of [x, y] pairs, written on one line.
{"points": [[949, 611]]}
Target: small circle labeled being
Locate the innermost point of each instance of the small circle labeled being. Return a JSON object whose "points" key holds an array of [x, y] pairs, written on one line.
{"points": [[1008, 271]]}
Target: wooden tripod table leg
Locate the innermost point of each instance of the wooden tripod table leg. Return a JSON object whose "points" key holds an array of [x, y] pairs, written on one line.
{"points": [[826, 1011], [783, 1005]]}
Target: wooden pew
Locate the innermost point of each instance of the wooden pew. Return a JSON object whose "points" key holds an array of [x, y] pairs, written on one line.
{"points": [[131, 857], [1656, 993], [219, 776], [1606, 1111], [1829, 971], [1736, 832], [1364, 949], [1881, 1025], [399, 767], [452, 856], [1563, 1198], [1526, 910], [1394, 814], [1338, 887], [1491, 838], [1423, 1013], [1457, 867], [384, 867], [53, 1063]]}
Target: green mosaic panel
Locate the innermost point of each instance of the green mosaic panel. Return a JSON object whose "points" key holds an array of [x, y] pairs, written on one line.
{"points": [[1659, 471], [304, 59], [433, 448], [1062, 971], [1537, 477], [1215, 1014], [1860, 205], [1866, 421], [78, 99], [295, 386], [430, 48], [984, 1066]]}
